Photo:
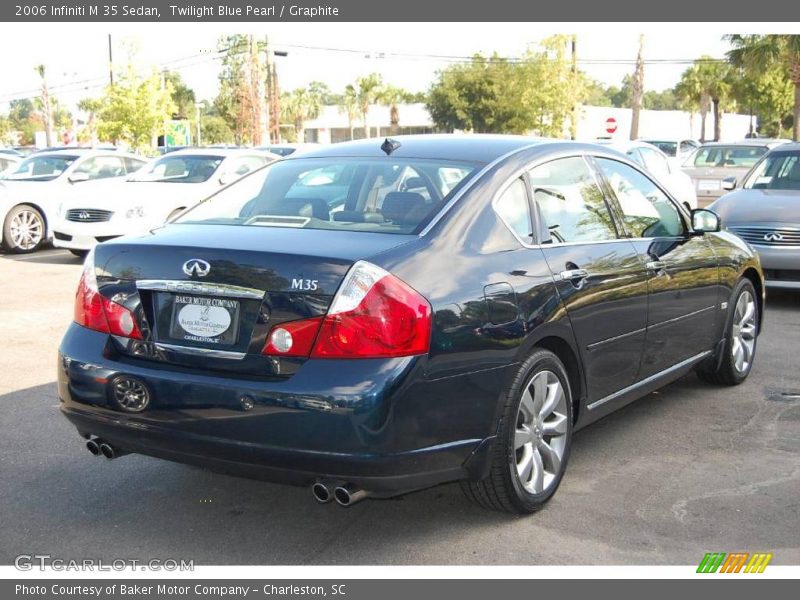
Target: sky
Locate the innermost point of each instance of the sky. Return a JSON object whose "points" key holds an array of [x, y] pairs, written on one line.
{"points": [[406, 54]]}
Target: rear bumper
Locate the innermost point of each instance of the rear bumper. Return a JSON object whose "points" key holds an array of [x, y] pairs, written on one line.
{"points": [[379, 425]]}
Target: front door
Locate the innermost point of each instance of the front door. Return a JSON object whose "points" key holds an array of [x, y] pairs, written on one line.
{"points": [[682, 269]]}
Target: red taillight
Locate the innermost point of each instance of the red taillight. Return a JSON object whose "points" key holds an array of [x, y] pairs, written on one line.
{"points": [[97, 312], [374, 315]]}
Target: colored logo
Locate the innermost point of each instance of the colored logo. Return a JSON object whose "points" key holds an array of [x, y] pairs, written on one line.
{"points": [[734, 562]]}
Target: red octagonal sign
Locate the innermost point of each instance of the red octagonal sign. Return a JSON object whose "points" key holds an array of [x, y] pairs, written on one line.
{"points": [[611, 125]]}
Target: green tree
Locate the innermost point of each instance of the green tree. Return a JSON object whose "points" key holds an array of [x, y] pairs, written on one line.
{"points": [[182, 96], [301, 105], [368, 91], [768, 94], [241, 82], [25, 120], [392, 97], [215, 130], [757, 53], [348, 105], [135, 109]]}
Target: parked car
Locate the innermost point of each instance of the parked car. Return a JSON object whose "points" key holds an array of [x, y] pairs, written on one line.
{"points": [[679, 149], [32, 191], [288, 148], [11, 151], [403, 341], [715, 161], [8, 162], [156, 193], [678, 183], [765, 212]]}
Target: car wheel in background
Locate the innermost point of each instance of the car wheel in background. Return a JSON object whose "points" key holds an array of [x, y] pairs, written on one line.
{"points": [[80, 253], [741, 335], [532, 448], [23, 229]]}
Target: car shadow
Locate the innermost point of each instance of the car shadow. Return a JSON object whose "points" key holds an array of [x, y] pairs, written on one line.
{"points": [[47, 256]]}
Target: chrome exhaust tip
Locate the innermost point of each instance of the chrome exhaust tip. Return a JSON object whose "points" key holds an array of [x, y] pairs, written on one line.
{"points": [[321, 492], [93, 446], [348, 494], [110, 452]]}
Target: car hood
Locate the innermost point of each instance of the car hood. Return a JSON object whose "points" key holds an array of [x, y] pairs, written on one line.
{"points": [[748, 207], [111, 195]]}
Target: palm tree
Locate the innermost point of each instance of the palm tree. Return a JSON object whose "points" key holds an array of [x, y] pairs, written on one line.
{"points": [[350, 107], [368, 90], [301, 105], [392, 96], [758, 52]]}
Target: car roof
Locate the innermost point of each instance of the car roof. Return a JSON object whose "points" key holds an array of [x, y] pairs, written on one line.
{"points": [[751, 142], [788, 146], [81, 152], [481, 148], [225, 152]]}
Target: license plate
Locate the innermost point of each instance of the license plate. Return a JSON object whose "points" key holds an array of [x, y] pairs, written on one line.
{"points": [[205, 320], [708, 186]]}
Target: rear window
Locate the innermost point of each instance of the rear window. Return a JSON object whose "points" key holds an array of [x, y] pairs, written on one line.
{"points": [[382, 195], [729, 156]]}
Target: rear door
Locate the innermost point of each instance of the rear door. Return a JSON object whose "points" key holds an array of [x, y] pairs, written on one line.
{"points": [[599, 275], [682, 268]]}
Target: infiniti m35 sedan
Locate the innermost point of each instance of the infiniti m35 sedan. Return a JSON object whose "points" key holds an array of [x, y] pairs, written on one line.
{"points": [[380, 316]]}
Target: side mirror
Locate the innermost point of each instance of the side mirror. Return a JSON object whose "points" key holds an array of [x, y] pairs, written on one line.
{"points": [[705, 221], [225, 179], [729, 183], [78, 177]]}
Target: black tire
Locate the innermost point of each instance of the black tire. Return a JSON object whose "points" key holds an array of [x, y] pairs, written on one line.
{"points": [[502, 489], [724, 371], [80, 253], [23, 209]]}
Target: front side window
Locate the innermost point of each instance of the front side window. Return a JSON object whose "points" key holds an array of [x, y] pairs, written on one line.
{"points": [[646, 210], [570, 202], [655, 162], [512, 207], [778, 171], [387, 195]]}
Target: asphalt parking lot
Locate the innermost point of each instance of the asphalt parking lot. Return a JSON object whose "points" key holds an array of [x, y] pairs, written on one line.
{"points": [[690, 469]]}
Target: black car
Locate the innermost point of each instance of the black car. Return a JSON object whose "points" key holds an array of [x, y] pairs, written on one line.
{"points": [[376, 317]]}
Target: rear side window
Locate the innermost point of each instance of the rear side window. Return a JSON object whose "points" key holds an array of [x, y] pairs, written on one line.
{"points": [[646, 210], [512, 207], [729, 156], [570, 202], [387, 195]]}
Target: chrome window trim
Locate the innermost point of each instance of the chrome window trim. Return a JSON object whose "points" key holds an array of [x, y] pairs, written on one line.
{"points": [[684, 363], [202, 288]]}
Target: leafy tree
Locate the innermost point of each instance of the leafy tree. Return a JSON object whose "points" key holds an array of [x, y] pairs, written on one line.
{"points": [[768, 94], [134, 109], [392, 96], [182, 95], [757, 53], [301, 105], [241, 78], [25, 119], [368, 91], [215, 130], [348, 105]]}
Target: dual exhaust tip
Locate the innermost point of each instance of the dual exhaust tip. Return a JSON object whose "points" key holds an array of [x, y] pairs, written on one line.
{"points": [[99, 447], [345, 494]]}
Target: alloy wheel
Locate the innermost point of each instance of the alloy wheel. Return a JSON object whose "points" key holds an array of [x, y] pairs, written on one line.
{"points": [[540, 437], [743, 332], [26, 230]]}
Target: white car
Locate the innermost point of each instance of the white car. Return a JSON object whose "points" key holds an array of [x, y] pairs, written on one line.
{"points": [[287, 148], [679, 149], [162, 189], [31, 192], [668, 174]]}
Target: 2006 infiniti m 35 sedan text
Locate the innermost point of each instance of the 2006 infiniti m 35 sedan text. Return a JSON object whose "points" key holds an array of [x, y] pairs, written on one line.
{"points": [[376, 317]]}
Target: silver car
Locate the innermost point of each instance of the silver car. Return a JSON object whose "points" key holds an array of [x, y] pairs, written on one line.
{"points": [[715, 161], [765, 212]]}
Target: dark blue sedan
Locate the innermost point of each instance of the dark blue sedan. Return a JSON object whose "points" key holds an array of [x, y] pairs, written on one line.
{"points": [[376, 317]]}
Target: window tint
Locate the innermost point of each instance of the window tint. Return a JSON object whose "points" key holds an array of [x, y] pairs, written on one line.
{"points": [[655, 162], [512, 206], [778, 171], [647, 212], [570, 202]]}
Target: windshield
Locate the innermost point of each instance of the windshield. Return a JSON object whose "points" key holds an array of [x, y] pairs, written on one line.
{"points": [[778, 171], [729, 157], [180, 169], [42, 168], [383, 195], [668, 148]]}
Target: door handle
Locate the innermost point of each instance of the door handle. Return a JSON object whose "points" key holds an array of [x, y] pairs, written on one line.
{"points": [[574, 274], [656, 265]]}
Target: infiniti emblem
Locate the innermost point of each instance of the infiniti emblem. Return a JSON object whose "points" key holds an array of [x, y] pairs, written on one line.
{"points": [[773, 237], [83, 215], [196, 266]]}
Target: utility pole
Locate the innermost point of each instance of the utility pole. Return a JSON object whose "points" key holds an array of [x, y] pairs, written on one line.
{"points": [[197, 124], [638, 90], [573, 127], [265, 95], [110, 63]]}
